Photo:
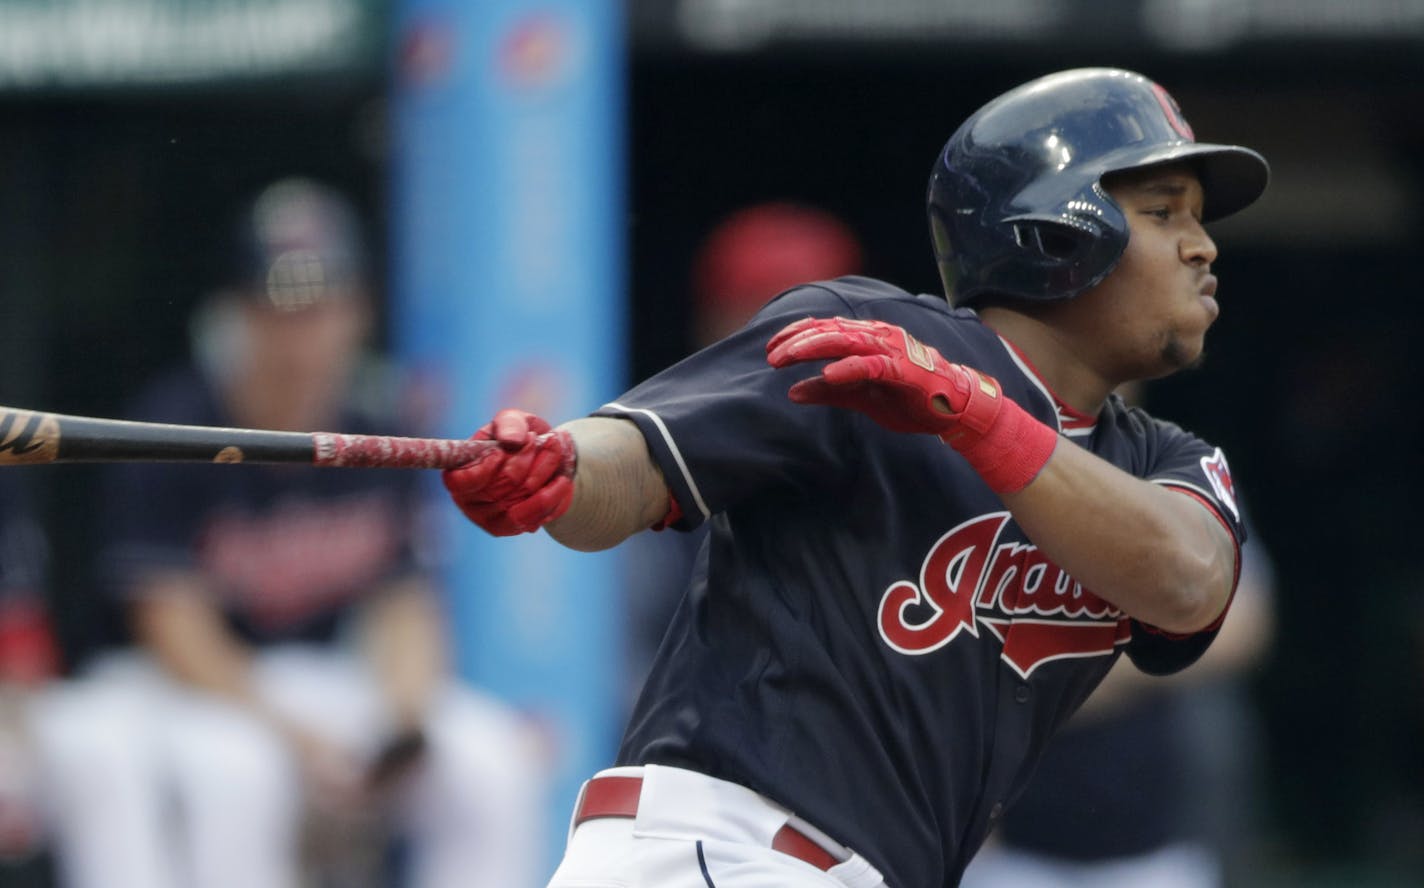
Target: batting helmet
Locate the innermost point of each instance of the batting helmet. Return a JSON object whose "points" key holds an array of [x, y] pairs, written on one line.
{"points": [[1016, 203], [295, 243]]}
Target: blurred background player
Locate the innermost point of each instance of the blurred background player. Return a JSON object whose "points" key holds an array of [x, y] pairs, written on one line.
{"points": [[288, 692], [759, 251], [29, 660], [749, 256], [1154, 781]]}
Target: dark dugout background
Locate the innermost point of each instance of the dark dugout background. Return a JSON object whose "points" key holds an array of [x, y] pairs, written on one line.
{"points": [[112, 199]]}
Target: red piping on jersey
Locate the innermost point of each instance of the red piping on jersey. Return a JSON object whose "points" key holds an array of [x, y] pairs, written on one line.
{"points": [[1069, 418]]}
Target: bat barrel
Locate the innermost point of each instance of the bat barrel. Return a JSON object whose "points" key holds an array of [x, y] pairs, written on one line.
{"points": [[31, 438], [104, 440]]}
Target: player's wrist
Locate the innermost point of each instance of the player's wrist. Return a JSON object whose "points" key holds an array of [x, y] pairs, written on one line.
{"points": [[1001, 441]]}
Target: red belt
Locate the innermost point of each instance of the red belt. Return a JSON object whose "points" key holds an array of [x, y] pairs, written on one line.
{"points": [[618, 797]]}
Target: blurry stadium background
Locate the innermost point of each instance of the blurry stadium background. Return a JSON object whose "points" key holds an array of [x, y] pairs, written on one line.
{"points": [[128, 129]]}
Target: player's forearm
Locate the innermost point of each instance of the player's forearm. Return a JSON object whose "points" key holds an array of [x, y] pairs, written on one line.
{"points": [[183, 632], [1158, 555], [618, 489], [406, 647], [188, 637]]}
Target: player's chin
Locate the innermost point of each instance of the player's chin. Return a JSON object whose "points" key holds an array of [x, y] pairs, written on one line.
{"points": [[1183, 352], [1195, 318]]}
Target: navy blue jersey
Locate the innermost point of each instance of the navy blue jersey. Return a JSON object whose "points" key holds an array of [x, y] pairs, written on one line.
{"points": [[24, 549], [1106, 788], [868, 638], [287, 550]]}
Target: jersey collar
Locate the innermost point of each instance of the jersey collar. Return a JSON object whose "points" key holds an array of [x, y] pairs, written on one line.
{"points": [[1071, 422]]}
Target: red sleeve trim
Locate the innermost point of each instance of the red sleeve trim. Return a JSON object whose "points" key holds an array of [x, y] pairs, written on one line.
{"points": [[674, 514]]}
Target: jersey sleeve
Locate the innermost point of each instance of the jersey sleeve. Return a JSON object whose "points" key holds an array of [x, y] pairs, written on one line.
{"points": [[1185, 464], [719, 422]]}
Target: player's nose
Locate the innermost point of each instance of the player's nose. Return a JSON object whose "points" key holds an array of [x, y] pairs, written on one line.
{"points": [[1197, 247]]}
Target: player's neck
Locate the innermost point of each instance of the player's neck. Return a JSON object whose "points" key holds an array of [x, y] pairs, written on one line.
{"points": [[1055, 355]]}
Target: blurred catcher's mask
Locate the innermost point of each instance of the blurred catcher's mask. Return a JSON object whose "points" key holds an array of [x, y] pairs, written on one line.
{"points": [[297, 244]]}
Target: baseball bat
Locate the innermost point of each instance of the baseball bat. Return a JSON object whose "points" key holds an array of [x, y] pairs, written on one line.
{"points": [[30, 437]]}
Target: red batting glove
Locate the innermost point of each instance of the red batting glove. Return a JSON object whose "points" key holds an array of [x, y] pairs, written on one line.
{"points": [[523, 485], [907, 386]]}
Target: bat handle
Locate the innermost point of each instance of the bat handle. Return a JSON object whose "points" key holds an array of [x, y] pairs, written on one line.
{"points": [[379, 451]]}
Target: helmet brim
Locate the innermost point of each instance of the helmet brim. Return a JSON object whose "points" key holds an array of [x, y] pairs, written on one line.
{"points": [[1232, 177]]}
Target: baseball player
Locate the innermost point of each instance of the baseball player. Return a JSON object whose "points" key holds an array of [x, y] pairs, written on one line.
{"points": [[287, 694], [933, 527]]}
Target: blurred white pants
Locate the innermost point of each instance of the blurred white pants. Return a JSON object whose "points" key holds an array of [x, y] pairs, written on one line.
{"points": [[150, 785]]}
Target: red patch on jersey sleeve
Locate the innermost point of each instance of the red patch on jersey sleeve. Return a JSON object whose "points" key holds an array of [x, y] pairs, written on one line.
{"points": [[1218, 474]]}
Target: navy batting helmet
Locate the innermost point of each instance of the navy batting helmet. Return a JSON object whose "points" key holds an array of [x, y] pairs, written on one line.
{"points": [[1016, 202], [295, 243]]}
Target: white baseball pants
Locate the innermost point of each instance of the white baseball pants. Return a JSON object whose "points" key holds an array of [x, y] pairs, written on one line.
{"points": [[151, 785], [694, 831]]}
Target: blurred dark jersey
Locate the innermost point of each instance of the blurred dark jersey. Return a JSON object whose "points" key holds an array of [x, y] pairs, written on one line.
{"points": [[286, 550]]}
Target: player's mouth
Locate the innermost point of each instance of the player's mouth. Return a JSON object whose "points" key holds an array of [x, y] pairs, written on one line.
{"points": [[1207, 292]]}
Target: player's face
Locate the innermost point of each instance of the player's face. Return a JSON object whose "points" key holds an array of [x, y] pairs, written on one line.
{"points": [[301, 359], [1160, 299]]}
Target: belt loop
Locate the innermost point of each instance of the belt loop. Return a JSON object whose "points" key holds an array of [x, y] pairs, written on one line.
{"points": [[609, 795]]}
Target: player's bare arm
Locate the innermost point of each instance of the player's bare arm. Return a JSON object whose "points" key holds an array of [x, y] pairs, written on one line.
{"points": [[174, 617], [591, 481], [404, 643], [618, 489], [1160, 556]]}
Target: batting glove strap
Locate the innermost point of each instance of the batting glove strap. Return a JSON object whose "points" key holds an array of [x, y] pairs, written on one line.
{"points": [[1002, 442]]}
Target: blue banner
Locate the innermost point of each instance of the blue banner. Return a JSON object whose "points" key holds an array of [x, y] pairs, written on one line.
{"points": [[508, 291]]}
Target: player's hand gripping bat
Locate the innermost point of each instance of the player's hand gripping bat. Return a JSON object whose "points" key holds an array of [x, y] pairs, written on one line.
{"points": [[31, 438], [529, 486]]}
